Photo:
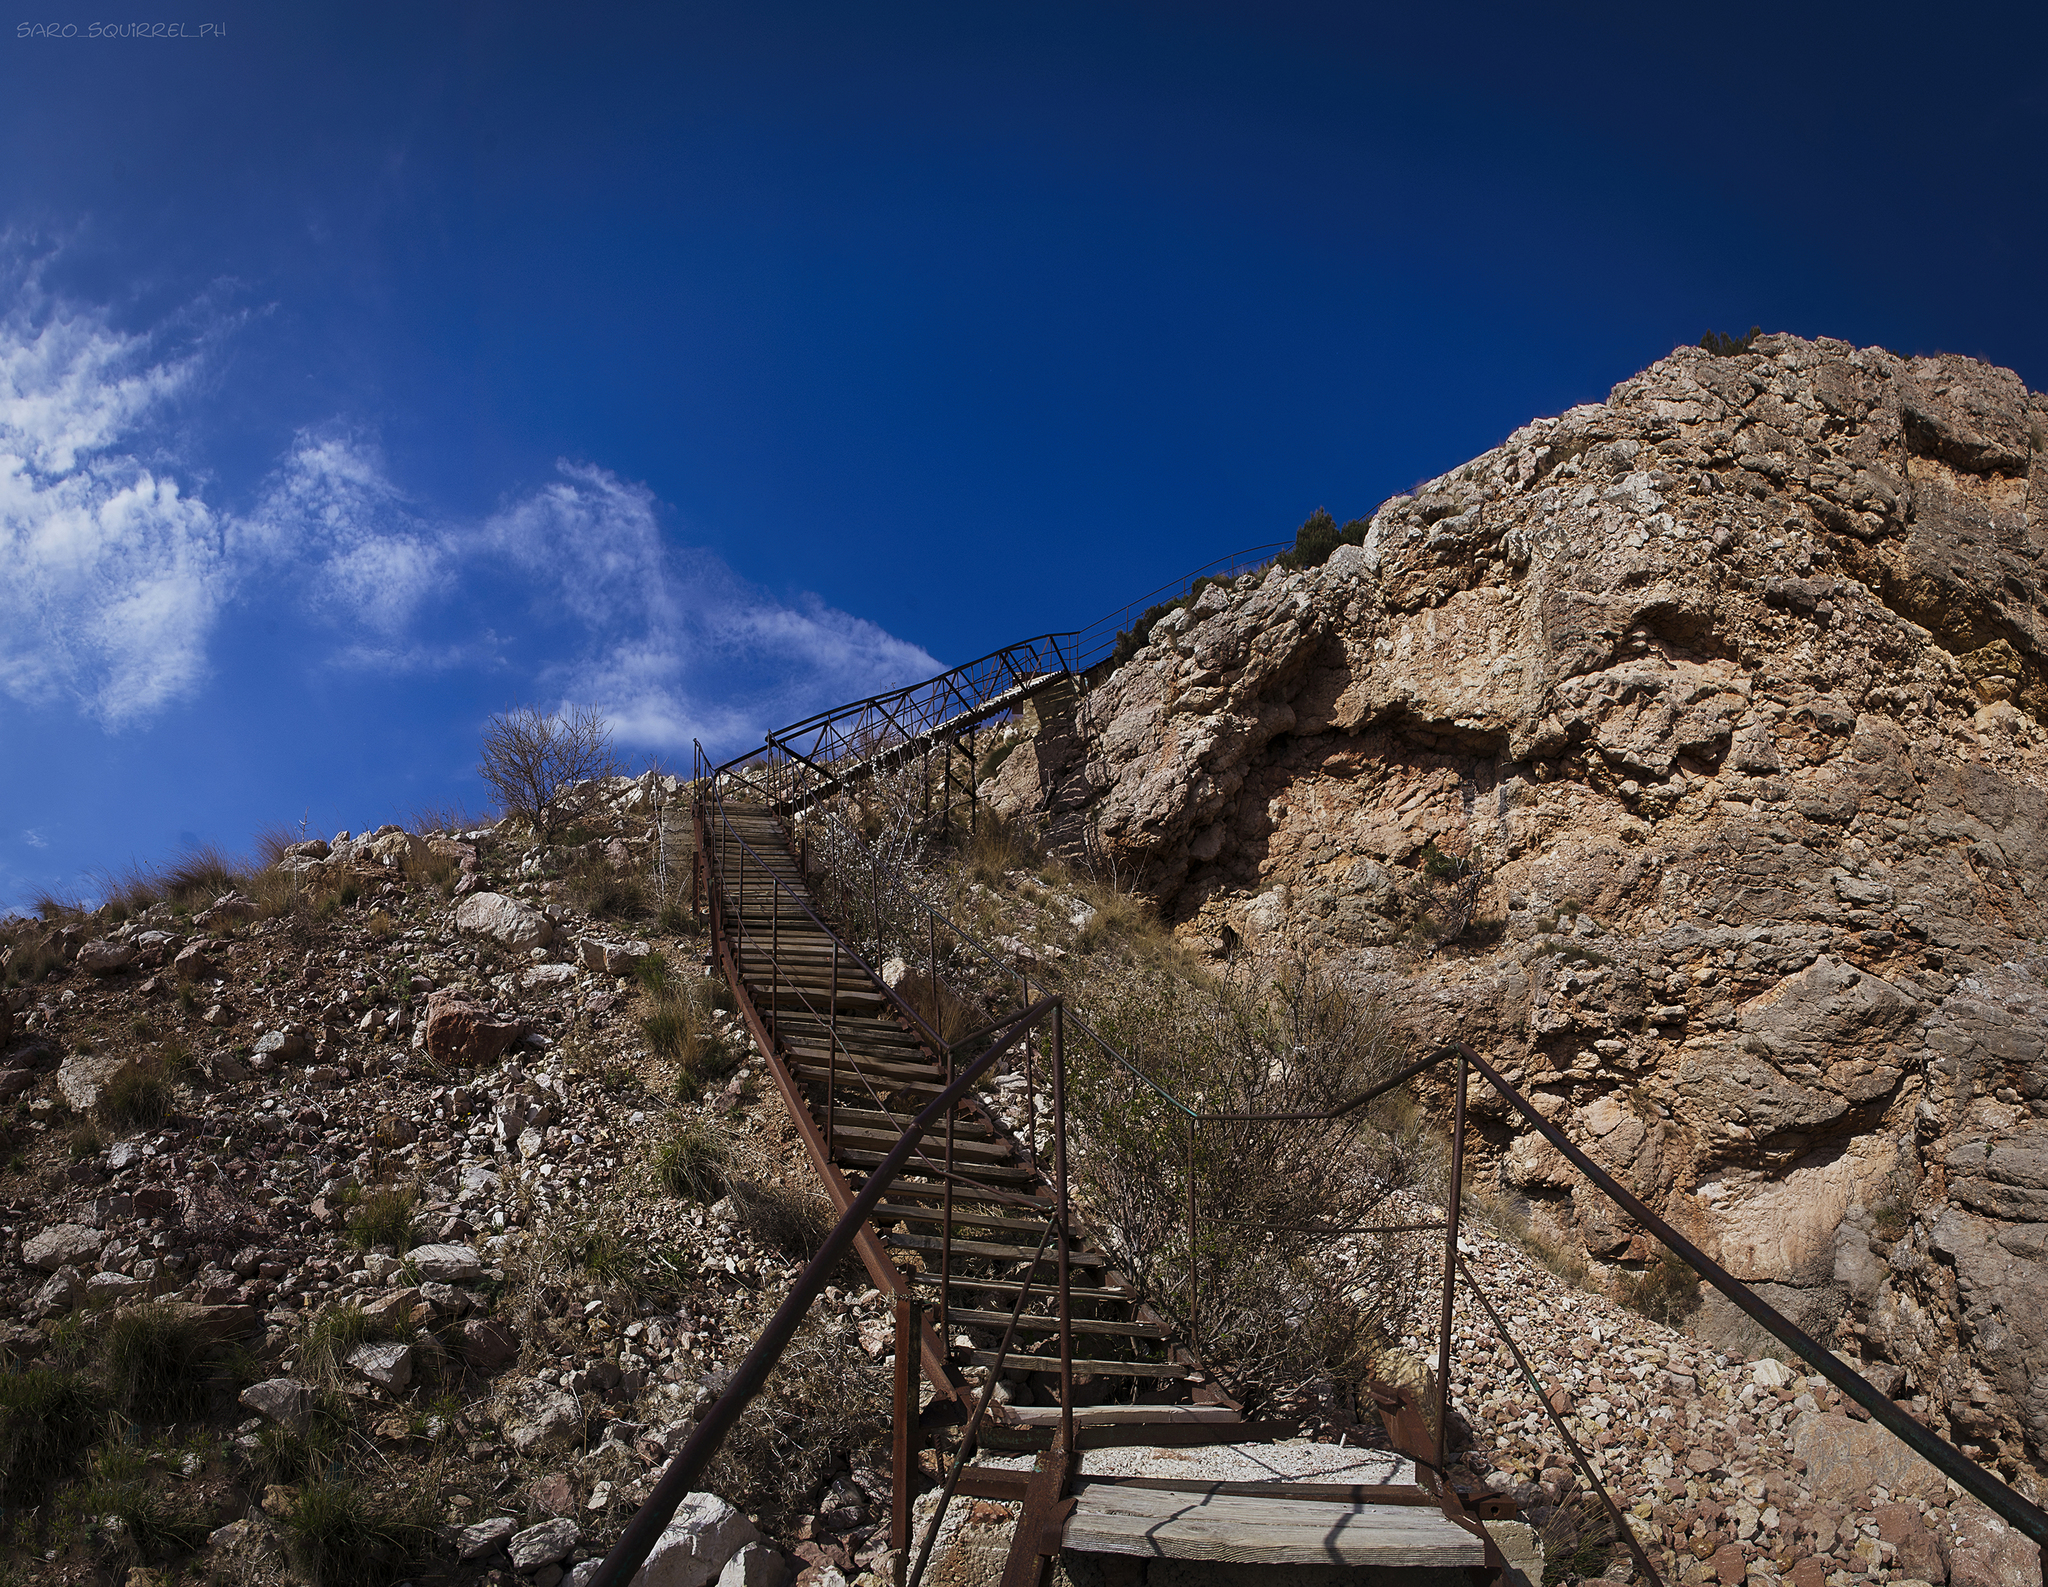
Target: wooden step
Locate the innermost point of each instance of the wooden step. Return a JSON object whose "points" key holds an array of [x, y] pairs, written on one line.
{"points": [[1014, 1362], [994, 1173], [886, 1210], [965, 1126], [1038, 1323], [1118, 1415], [1109, 1518], [979, 1153], [1009, 1253], [1045, 1288]]}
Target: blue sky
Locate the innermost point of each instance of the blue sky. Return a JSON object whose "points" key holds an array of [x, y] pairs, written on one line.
{"points": [[365, 369]]}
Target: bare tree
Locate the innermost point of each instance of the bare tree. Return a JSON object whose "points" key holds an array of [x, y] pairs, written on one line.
{"points": [[543, 765]]}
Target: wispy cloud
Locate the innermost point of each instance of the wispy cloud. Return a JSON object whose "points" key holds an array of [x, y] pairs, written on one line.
{"points": [[34, 839], [114, 573], [118, 573]]}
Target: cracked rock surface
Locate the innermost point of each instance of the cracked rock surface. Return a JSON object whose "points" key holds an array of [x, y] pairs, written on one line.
{"points": [[1685, 754]]}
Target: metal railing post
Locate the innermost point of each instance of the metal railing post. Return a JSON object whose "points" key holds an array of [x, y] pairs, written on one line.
{"points": [[1059, 1149], [1194, 1264], [1443, 1344], [946, 1228], [1030, 1089], [902, 1467], [832, 1055]]}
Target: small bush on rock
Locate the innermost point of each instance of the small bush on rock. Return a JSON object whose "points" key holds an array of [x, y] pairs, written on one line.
{"points": [[136, 1097], [47, 1416], [1667, 1291], [340, 1535], [159, 1365], [786, 1219], [825, 1401], [692, 1162], [383, 1217]]}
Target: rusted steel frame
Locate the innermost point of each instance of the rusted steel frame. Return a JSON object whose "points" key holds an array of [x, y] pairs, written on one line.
{"points": [[796, 754], [903, 1445], [1059, 1158], [1370, 1228], [748, 1378], [874, 1257], [1395, 1493], [1443, 1342], [1043, 1519], [909, 1013], [1030, 1093], [1194, 1265], [832, 1056], [980, 1409], [1950, 1462], [946, 1227], [1408, 1430], [1579, 1457]]}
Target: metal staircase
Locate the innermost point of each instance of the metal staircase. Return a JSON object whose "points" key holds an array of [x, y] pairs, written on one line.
{"points": [[957, 1206]]}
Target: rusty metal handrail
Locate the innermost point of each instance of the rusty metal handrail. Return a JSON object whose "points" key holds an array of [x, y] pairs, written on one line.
{"points": [[988, 1391], [1923, 1441], [751, 1375], [1579, 1457]]}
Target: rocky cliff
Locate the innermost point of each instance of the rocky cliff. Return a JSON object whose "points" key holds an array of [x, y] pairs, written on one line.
{"points": [[1686, 752]]}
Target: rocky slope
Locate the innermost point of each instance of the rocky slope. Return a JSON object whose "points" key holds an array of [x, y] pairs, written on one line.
{"points": [[1685, 752], [208, 1106]]}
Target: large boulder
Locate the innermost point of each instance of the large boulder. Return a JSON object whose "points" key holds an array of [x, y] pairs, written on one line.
{"points": [[1688, 750], [393, 849], [461, 1030], [103, 956], [446, 1264], [82, 1076], [694, 1547], [61, 1245], [505, 921], [543, 1544]]}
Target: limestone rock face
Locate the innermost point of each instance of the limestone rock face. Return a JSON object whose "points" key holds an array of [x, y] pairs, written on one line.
{"points": [[1685, 754]]}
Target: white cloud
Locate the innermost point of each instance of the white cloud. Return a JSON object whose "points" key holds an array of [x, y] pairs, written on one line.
{"points": [[677, 646], [114, 574], [330, 511], [34, 839], [117, 574]]}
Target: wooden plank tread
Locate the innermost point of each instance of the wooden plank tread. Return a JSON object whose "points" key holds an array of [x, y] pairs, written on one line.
{"points": [[1013, 1253], [1110, 1519], [1032, 1322]]}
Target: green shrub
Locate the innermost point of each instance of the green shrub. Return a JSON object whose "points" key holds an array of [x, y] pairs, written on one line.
{"points": [[1730, 346], [340, 1535], [158, 1365], [384, 1216], [47, 1418], [325, 1345], [1667, 1291], [85, 1140], [153, 1525], [788, 1220], [1318, 537], [692, 1163], [670, 1032], [601, 891], [136, 1097]]}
